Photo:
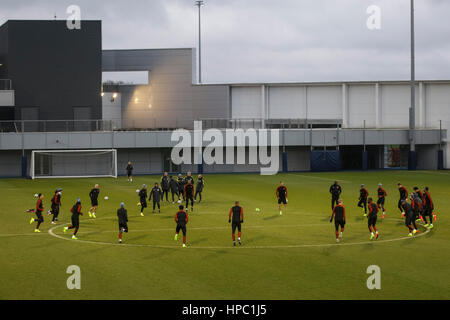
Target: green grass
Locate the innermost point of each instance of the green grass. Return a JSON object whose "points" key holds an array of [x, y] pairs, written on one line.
{"points": [[293, 256]]}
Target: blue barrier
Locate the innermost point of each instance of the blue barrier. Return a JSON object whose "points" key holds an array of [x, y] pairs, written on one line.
{"points": [[412, 160], [284, 162], [440, 165], [365, 160], [321, 160], [24, 167]]}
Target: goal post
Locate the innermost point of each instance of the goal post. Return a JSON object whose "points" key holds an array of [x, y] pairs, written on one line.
{"points": [[73, 163]]}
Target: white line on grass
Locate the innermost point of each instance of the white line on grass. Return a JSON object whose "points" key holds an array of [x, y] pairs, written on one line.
{"points": [[50, 231], [320, 178], [217, 228], [20, 234], [433, 172]]}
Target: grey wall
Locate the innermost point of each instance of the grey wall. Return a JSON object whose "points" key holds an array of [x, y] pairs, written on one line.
{"points": [[10, 163], [170, 95], [427, 157], [144, 161], [162, 139], [3, 51], [298, 158], [53, 68]]}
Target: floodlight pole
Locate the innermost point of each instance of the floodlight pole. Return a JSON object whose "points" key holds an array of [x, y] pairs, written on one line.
{"points": [[199, 4], [412, 113]]}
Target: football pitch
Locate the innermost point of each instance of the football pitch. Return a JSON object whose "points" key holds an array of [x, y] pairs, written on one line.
{"points": [[289, 256]]}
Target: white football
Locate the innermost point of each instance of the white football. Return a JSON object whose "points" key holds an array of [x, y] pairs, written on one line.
{"points": [[35, 195], [137, 190], [106, 198], [179, 201]]}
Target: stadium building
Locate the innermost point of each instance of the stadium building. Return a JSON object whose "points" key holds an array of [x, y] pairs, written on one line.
{"points": [[52, 98]]}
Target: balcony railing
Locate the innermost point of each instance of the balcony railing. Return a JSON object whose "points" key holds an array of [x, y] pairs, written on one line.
{"points": [[155, 124]]}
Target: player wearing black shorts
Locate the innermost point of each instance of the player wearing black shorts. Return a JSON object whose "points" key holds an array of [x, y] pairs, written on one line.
{"points": [[339, 219], [143, 199], [56, 204], [165, 187], [38, 211], [181, 183], [94, 201], [199, 188], [156, 193], [403, 196], [236, 218], [410, 220], [418, 197], [372, 219], [335, 191], [129, 169], [173, 188], [281, 193], [363, 194], [181, 218], [381, 198], [428, 208], [189, 194], [416, 204], [76, 212], [123, 220]]}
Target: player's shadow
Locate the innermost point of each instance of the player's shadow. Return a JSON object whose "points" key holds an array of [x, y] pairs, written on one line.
{"points": [[271, 217], [331, 250], [158, 253], [166, 217], [196, 241], [139, 237], [369, 245]]}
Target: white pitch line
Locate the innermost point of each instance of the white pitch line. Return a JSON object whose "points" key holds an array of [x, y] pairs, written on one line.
{"points": [[20, 234], [320, 178], [50, 231], [216, 228], [432, 172]]}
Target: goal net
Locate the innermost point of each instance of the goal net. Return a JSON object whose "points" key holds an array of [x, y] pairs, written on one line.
{"points": [[73, 163]]}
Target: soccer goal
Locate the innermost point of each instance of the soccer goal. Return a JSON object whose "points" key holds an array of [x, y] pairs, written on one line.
{"points": [[73, 163]]}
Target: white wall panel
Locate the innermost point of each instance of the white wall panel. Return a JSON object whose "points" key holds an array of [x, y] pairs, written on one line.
{"points": [[437, 101], [395, 101], [246, 102], [361, 105], [287, 102], [325, 102]]}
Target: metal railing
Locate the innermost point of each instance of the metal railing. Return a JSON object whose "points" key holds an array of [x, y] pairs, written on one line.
{"points": [[20, 126], [5, 84], [155, 124]]}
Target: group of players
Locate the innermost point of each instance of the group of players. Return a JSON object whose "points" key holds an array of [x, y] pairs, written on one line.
{"points": [[182, 188], [55, 208], [419, 208]]}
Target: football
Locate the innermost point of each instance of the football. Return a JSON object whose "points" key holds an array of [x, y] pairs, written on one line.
{"points": [[35, 195], [106, 198], [137, 190]]}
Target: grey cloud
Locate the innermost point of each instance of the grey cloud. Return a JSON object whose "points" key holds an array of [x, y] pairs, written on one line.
{"points": [[272, 41]]}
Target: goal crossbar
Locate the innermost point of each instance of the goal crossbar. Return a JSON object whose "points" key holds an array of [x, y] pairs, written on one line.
{"points": [[111, 166]]}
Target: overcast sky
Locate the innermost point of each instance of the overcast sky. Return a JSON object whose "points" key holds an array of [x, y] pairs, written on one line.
{"points": [[272, 40]]}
